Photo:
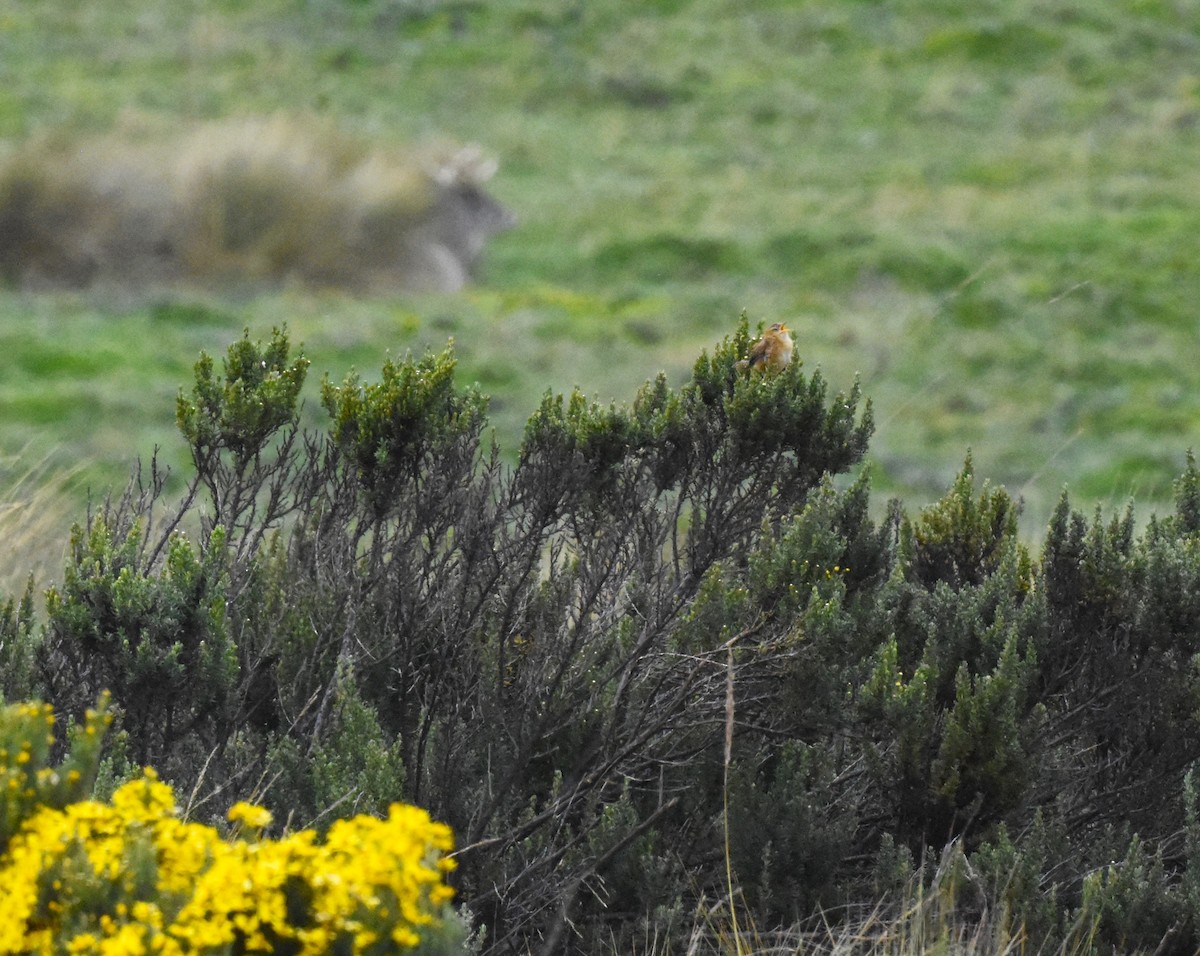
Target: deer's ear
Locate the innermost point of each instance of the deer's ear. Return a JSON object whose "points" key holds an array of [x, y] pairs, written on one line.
{"points": [[484, 169]]}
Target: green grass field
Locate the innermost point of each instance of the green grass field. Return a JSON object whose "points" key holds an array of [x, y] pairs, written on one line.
{"points": [[988, 212]]}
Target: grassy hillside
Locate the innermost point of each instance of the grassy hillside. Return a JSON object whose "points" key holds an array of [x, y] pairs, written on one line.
{"points": [[988, 212]]}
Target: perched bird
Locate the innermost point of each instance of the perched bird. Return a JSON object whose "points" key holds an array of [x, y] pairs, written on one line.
{"points": [[772, 352]]}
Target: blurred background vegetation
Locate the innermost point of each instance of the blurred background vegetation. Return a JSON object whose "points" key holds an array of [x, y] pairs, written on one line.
{"points": [[987, 212]]}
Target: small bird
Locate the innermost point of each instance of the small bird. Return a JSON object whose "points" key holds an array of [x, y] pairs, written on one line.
{"points": [[772, 352]]}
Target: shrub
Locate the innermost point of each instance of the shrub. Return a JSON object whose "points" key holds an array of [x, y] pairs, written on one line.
{"points": [[84, 876], [541, 653]]}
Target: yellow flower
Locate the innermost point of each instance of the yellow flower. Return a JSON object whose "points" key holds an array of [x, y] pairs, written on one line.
{"points": [[145, 800], [250, 815], [368, 883], [84, 943]]}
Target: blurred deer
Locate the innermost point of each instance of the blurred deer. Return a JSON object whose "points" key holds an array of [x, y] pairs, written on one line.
{"points": [[447, 245], [249, 200]]}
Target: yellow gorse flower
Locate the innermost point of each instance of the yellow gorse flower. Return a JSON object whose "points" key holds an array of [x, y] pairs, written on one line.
{"points": [[249, 815], [182, 888]]}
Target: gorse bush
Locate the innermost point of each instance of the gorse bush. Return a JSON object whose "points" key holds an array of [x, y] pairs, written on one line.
{"points": [[537, 649], [129, 876]]}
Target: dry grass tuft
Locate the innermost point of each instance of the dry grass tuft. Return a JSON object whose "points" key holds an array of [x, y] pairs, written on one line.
{"points": [[931, 919], [36, 511]]}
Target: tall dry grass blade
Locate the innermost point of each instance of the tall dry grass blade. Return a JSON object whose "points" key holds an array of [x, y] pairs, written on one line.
{"points": [[729, 701], [36, 506]]}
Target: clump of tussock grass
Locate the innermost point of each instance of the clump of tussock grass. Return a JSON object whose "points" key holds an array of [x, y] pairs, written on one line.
{"points": [[247, 201], [929, 916], [71, 214]]}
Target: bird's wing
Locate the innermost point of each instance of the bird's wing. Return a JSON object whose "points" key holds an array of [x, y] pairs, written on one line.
{"points": [[759, 351]]}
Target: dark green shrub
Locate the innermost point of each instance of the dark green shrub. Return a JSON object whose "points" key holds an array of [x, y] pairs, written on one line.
{"points": [[546, 654], [19, 641], [157, 639]]}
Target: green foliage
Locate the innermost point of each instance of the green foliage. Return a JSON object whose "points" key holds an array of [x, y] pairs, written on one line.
{"points": [[240, 411], [28, 777], [790, 832], [394, 430], [229, 423], [542, 653], [1187, 497], [353, 767], [962, 540], [982, 760], [158, 640], [19, 641], [581, 439], [1131, 900]]}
